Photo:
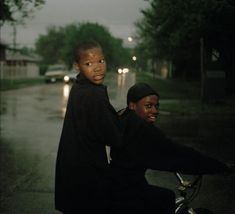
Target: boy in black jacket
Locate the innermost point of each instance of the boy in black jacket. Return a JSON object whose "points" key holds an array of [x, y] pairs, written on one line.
{"points": [[90, 123], [146, 146]]}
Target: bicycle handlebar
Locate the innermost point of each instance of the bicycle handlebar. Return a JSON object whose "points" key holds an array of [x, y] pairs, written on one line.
{"points": [[186, 183]]}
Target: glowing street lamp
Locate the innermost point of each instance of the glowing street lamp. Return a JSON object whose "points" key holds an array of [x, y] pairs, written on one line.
{"points": [[130, 39], [134, 58]]}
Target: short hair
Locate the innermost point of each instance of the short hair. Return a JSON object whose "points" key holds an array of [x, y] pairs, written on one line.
{"points": [[139, 91], [84, 46]]}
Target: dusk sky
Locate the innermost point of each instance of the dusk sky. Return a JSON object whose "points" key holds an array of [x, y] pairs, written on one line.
{"points": [[117, 15]]}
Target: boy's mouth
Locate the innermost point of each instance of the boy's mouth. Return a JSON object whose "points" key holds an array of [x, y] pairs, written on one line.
{"points": [[99, 77], [152, 118]]}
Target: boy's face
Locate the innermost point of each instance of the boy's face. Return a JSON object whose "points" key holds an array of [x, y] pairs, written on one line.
{"points": [[147, 108], [92, 65]]}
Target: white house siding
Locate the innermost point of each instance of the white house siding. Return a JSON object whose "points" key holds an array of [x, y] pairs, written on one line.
{"points": [[18, 66], [18, 70], [32, 70]]}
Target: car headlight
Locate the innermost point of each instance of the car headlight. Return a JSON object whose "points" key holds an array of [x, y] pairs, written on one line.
{"points": [[119, 70], [125, 70], [66, 78]]}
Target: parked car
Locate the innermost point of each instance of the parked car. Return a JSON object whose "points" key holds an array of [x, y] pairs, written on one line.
{"points": [[70, 77], [55, 73]]}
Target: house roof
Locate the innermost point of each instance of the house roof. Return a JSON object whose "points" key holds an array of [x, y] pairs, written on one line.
{"points": [[17, 56]]}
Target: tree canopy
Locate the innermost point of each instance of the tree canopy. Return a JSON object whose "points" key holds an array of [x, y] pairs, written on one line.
{"points": [[17, 10], [172, 30], [59, 43]]}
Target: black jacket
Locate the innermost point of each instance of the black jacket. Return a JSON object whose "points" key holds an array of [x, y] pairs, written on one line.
{"points": [[146, 147], [90, 123]]}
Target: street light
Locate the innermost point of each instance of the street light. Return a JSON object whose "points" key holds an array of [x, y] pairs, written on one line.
{"points": [[134, 58], [130, 39]]}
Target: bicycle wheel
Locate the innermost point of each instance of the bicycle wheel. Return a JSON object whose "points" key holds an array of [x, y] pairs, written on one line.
{"points": [[202, 211]]}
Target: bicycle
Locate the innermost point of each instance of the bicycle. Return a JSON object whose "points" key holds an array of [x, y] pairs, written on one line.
{"points": [[183, 202], [188, 191]]}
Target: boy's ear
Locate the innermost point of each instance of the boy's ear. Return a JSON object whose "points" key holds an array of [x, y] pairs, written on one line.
{"points": [[131, 106], [76, 66]]}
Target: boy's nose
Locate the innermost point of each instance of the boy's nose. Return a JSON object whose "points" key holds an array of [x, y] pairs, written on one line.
{"points": [[155, 110], [97, 68]]}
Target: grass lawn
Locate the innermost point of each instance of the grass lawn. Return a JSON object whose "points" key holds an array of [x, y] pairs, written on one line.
{"points": [[184, 97], [19, 83]]}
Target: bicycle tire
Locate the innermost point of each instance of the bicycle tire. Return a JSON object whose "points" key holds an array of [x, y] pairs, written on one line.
{"points": [[202, 211]]}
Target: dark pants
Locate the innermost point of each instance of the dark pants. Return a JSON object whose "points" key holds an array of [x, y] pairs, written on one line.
{"points": [[149, 199], [83, 193], [89, 206]]}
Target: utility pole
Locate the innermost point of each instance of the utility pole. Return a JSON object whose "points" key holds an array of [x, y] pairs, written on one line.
{"points": [[14, 36], [202, 67]]}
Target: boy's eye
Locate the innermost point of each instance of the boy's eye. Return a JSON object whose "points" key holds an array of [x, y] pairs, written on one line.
{"points": [[102, 61], [88, 64], [148, 106], [157, 106]]}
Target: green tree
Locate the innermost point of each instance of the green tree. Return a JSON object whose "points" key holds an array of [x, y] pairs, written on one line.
{"points": [[59, 43], [172, 30], [17, 10], [50, 46], [113, 47]]}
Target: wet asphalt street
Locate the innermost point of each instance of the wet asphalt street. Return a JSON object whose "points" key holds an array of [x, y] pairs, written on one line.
{"points": [[31, 123]]}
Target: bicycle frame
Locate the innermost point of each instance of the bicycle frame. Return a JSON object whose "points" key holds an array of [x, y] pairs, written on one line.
{"points": [[183, 201]]}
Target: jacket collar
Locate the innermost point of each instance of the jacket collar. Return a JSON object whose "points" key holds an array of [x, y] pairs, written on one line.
{"points": [[82, 80]]}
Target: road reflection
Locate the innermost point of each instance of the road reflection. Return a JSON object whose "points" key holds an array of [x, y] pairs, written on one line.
{"points": [[66, 90], [124, 81], [118, 89]]}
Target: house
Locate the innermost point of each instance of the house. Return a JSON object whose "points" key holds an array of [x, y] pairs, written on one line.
{"points": [[15, 65]]}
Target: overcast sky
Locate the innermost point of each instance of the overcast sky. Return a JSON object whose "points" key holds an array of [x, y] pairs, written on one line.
{"points": [[117, 15]]}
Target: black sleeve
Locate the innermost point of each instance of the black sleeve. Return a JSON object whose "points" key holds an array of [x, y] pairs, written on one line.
{"points": [[100, 122], [156, 151]]}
